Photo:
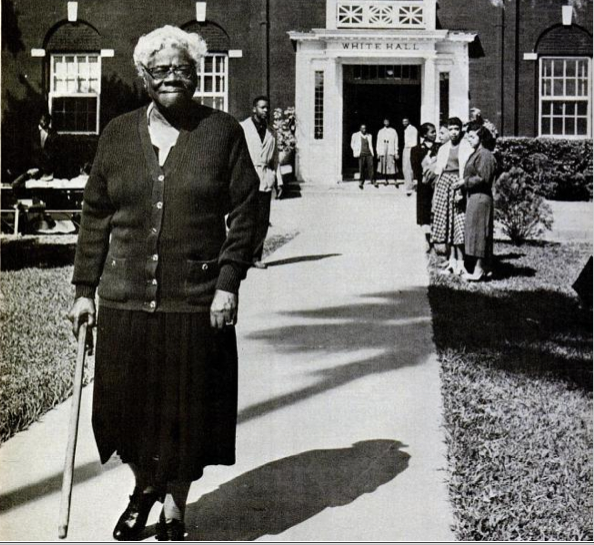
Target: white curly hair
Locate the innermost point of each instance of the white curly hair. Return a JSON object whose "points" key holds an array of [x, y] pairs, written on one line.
{"points": [[172, 36]]}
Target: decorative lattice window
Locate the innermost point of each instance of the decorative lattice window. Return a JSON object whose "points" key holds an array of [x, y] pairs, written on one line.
{"points": [[565, 102], [75, 88], [380, 14]]}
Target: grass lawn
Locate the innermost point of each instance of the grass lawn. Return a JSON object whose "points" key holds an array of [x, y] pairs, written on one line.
{"points": [[516, 356], [38, 348]]}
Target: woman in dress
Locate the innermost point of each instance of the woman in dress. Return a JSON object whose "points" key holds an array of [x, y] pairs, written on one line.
{"points": [[422, 156], [479, 176], [153, 243], [448, 204]]}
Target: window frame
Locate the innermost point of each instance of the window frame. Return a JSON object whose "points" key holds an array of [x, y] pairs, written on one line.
{"points": [[565, 98], [54, 94], [200, 94]]}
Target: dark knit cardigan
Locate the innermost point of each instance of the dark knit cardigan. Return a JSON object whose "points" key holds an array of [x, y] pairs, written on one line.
{"points": [[154, 238]]}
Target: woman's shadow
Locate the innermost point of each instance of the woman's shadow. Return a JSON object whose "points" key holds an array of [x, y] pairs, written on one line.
{"points": [[281, 494]]}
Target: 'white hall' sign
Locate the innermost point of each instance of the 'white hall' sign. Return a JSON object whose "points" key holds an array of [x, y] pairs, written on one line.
{"points": [[390, 46]]}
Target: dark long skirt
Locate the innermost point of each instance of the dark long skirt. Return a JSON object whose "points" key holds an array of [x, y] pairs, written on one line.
{"points": [[478, 236], [165, 392], [424, 198]]}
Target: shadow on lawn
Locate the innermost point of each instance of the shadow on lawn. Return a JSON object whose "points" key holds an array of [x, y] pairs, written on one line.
{"points": [[541, 332], [27, 254], [281, 494]]}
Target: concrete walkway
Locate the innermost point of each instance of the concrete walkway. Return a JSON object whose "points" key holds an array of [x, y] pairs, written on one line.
{"points": [[339, 434]]}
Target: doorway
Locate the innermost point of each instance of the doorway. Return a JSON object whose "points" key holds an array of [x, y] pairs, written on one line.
{"points": [[372, 93]]}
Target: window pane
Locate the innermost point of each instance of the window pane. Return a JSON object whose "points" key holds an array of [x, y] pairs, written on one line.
{"points": [[546, 125], [558, 68], [570, 87], [208, 62], [557, 87], [570, 126], [570, 108], [546, 87], [547, 69], [557, 108], [582, 108], [547, 108], [208, 84], [570, 68], [582, 126], [557, 126]]}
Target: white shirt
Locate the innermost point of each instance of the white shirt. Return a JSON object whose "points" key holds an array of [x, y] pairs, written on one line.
{"points": [[163, 135], [387, 137], [411, 136]]}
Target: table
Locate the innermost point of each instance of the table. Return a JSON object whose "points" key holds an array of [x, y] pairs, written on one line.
{"points": [[59, 198]]}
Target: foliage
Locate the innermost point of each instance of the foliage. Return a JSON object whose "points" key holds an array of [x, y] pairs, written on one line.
{"points": [[285, 126], [560, 169], [522, 213], [516, 367]]}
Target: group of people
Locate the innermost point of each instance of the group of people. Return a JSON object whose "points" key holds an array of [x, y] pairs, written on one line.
{"points": [[387, 152], [454, 173]]}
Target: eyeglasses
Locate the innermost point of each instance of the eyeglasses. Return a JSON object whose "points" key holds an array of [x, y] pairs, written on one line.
{"points": [[161, 72]]}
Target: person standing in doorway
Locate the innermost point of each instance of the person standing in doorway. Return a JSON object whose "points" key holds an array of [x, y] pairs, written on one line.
{"points": [[262, 147], [387, 151], [362, 146], [43, 150], [411, 139]]}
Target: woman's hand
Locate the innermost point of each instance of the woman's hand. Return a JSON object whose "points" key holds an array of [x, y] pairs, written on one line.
{"points": [[83, 309], [223, 311], [458, 184]]}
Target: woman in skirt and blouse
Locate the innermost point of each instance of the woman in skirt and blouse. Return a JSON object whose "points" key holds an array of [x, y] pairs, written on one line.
{"points": [[448, 204], [479, 176], [153, 243]]}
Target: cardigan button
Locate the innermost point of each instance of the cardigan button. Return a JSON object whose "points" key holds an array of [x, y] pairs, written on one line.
{"points": [[155, 257], [204, 267], [159, 205], [161, 177], [152, 304]]}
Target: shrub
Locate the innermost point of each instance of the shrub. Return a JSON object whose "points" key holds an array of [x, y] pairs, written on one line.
{"points": [[560, 169], [522, 213], [285, 125]]}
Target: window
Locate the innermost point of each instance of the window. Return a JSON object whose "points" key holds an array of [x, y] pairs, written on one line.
{"points": [[213, 76], [75, 86], [564, 97], [319, 105], [444, 97], [403, 74]]}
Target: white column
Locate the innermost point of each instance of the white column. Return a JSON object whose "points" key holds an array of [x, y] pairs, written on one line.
{"points": [[459, 83], [303, 112], [331, 14], [429, 106], [333, 122]]}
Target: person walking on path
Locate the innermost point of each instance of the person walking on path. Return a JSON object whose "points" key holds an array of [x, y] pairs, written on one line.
{"points": [[262, 147], [411, 139], [423, 158], [153, 241], [448, 203], [362, 146], [479, 176], [387, 151]]}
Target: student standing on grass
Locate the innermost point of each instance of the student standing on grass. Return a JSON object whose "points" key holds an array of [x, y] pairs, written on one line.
{"points": [[448, 203], [423, 158], [479, 176], [153, 242], [362, 146], [262, 146]]}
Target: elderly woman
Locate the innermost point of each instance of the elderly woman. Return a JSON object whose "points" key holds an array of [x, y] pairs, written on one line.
{"points": [[448, 205], [479, 175], [153, 243]]}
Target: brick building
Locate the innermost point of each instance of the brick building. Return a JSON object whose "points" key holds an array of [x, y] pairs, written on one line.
{"points": [[527, 66]]}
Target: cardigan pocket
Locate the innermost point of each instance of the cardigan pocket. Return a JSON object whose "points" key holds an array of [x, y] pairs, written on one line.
{"points": [[201, 281], [113, 285]]}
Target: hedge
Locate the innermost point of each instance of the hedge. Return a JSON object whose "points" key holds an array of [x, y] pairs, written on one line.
{"points": [[562, 169]]}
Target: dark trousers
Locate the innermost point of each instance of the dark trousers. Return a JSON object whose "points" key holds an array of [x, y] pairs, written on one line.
{"points": [[264, 198], [366, 168]]}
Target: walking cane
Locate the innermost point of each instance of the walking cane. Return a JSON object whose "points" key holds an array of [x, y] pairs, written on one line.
{"points": [[72, 433]]}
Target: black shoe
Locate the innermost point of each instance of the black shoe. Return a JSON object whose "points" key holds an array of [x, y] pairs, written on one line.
{"points": [[170, 530], [133, 519], [360, 186]]}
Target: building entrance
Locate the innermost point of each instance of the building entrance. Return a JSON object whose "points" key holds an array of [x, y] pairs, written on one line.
{"points": [[372, 93]]}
